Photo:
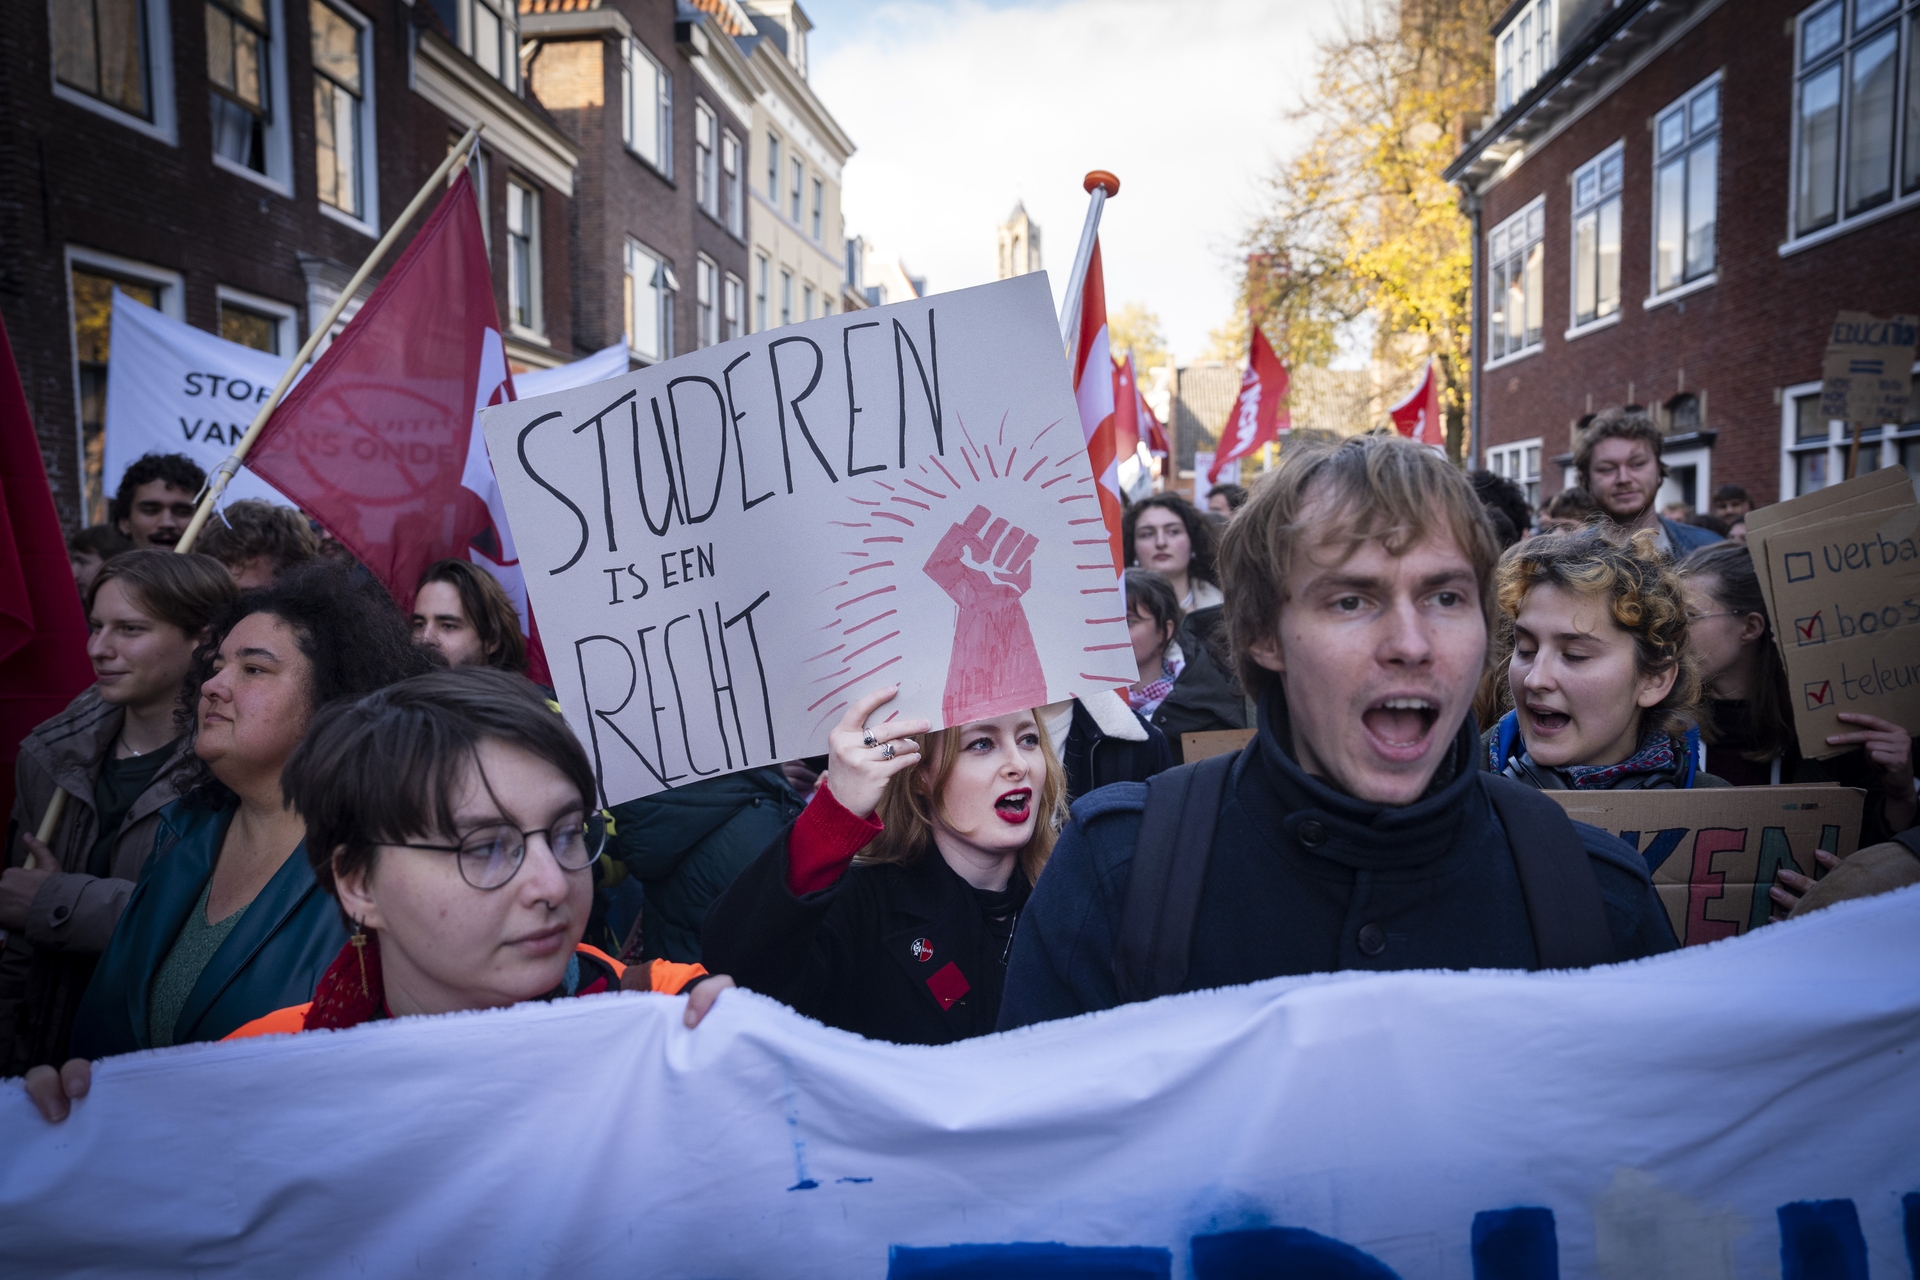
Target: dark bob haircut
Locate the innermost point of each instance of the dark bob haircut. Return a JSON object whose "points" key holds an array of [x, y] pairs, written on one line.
{"points": [[1151, 595], [1200, 533], [487, 607], [385, 768]]}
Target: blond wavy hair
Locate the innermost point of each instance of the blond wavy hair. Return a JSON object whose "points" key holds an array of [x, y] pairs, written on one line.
{"points": [[1641, 589], [911, 801]]}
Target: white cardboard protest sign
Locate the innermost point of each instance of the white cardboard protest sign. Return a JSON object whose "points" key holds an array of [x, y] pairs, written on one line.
{"points": [[726, 549], [1741, 1109], [172, 388]]}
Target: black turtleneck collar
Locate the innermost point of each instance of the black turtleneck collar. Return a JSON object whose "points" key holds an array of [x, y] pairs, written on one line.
{"points": [[1320, 818]]}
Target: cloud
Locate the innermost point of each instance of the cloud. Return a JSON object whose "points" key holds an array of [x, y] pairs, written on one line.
{"points": [[961, 109]]}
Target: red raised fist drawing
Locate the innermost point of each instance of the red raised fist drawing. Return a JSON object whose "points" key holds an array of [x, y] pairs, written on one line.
{"points": [[987, 566]]}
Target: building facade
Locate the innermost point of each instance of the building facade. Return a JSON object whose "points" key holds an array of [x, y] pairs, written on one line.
{"points": [[1018, 250], [1673, 203], [660, 99], [232, 162]]}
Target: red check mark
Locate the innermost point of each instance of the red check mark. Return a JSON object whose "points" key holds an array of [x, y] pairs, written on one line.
{"points": [[1820, 695], [1807, 625]]}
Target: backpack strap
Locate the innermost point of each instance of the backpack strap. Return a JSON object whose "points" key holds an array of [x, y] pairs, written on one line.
{"points": [[1169, 868], [1564, 908], [1910, 838]]}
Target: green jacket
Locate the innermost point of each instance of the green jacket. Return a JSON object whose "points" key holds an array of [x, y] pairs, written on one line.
{"points": [[686, 845]]}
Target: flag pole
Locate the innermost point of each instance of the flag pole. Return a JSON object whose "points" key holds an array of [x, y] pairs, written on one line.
{"points": [[1100, 187], [217, 482]]}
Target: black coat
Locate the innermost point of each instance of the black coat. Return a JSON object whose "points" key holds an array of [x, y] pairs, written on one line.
{"points": [[1092, 760], [1206, 695], [878, 954]]}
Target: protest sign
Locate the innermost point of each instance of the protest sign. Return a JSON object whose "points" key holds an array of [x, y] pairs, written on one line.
{"points": [[172, 388], [1841, 572], [1744, 1109], [1213, 742], [1867, 375], [1202, 464], [726, 549], [1714, 852]]}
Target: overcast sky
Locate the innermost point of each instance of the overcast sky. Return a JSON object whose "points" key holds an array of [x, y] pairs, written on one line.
{"points": [[959, 109]]}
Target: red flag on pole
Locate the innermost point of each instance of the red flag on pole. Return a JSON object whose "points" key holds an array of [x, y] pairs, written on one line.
{"points": [[1260, 413], [1418, 416], [1093, 389], [1154, 434], [1126, 410], [43, 630], [381, 440]]}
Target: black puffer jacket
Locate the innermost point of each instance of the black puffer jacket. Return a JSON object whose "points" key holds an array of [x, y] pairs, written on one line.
{"points": [[1206, 696]]}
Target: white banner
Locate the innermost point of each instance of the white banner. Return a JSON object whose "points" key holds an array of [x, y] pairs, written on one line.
{"points": [[172, 388], [1746, 1108], [608, 362], [726, 549]]}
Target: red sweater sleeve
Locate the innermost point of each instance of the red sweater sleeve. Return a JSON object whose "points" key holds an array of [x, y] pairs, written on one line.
{"points": [[825, 838]]}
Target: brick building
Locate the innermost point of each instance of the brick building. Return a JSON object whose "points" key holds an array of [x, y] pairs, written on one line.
{"points": [[1674, 200], [232, 161]]}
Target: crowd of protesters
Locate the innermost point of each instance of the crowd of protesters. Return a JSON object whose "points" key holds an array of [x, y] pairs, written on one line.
{"points": [[293, 807]]}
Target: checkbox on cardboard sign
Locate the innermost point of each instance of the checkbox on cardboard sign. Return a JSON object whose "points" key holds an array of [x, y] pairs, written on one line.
{"points": [[1810, 630], [1819, 694], [1799, 565]]}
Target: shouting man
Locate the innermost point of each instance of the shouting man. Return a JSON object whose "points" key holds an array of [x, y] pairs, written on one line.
{"points": [[155, 503], [1618, 458], [1357, 830]]}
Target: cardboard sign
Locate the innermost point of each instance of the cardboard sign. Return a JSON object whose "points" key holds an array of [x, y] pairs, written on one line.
{"points": [[1867, 376], [726, 549], [1213, 742], [1714, 852], [1841, 572]]}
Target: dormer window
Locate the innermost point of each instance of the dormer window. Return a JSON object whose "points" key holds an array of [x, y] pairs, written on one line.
{"points": [[1523, 53]]}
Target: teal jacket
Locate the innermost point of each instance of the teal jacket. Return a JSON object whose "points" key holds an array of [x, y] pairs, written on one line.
{"points": [[686, 845], [272, 959]]}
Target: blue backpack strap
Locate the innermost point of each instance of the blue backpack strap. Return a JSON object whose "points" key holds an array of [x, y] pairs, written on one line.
{"points": [[1564, 908], [1169, 868]]}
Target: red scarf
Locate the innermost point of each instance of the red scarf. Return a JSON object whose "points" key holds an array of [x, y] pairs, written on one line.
{"points": [[351, 992]]}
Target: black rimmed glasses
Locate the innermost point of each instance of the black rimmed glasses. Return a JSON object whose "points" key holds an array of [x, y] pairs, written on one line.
{"points": [[489, 856]]}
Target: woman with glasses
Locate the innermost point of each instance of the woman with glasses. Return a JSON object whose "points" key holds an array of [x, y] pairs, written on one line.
{"points": [[450, 822]]}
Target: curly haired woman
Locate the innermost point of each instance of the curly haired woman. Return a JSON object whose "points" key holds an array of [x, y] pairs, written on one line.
{"points": [[1604, 687]]}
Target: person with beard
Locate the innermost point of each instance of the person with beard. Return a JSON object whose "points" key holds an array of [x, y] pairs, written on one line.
{"points": [[1356, 831], [154, 504], [1618, 459]]}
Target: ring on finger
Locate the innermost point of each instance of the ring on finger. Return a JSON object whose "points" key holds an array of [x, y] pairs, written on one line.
{"points": [[867, 739], [886, 751]]}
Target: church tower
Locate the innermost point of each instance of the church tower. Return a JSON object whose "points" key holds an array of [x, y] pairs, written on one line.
{"points": [[1019, 244]]}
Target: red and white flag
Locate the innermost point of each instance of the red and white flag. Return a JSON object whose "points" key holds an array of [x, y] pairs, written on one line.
{"points": [[1418, 416], [1260, 413], [1134, 422], [1093, 390], [381, 441]]}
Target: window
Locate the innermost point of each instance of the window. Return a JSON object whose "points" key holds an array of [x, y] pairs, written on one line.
{"points": [[339, 97], [760, 293], [237, 67], [1519, 463], [706, 180], [523, 256], [1685, 181], [487, 34], [819, 206], [806, 302], [1516, 310], [734, 306], [706, 299], [799, 171], [730, 181], [773, 169], [1848, 124], [826, 303], [1596, 238], [100, 49], [650, 289], [257, 322], [647, 124], [92, 284], [786, 297], [1525, 53], [1814, 450]]}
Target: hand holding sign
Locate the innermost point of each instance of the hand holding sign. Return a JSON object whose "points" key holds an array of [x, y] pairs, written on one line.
{"points": [[863, 758], [1889, 751], [994, 667]]}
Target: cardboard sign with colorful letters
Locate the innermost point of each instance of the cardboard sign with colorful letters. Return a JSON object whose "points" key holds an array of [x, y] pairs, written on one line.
{"points": [[1841, 572], [1714, 852], [726, 549]]}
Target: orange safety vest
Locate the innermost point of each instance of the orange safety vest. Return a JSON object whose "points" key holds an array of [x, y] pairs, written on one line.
{"points": [[663, 976]]}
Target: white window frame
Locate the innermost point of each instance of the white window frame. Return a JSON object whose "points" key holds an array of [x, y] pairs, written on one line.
{"points": [[818, 214], [1599, 170], [706, 301], [285, 316], [773, 170], [163, 127], [1692, 141], [172, 289], [763, 275], [468, 36], [733, 311], [369, 223], [1519, 462], [732, 160], [1904, 18], [524, 196], [637, 58], [1529, 223], [1699, 459], [640, 258], [1533, 54], [706, 159], [786, 296], [1881, 450], [796, 188], [278, 135], [806, 300]]}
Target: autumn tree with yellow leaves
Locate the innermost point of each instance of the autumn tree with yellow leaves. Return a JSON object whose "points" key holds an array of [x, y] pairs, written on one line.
{"points": [[1360, 223]]}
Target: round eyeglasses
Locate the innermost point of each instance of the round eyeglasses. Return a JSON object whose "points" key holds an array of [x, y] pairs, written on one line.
{"points": [[490, 856]]}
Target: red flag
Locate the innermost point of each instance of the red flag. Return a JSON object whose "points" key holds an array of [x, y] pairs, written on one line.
{"points": [[1260, 413], [1093, 387], [1126, 410], [381, 440], [1418, 416], [1156, 434], [43, 630]]}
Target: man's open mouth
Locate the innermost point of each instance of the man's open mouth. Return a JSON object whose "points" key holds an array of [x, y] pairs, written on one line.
{"points": [[1401, 722], [1014, 806]]}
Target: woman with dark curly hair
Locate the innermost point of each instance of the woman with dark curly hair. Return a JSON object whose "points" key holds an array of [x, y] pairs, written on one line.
{"points": [[1165, 533], [227, 923], [1604, 686]]}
